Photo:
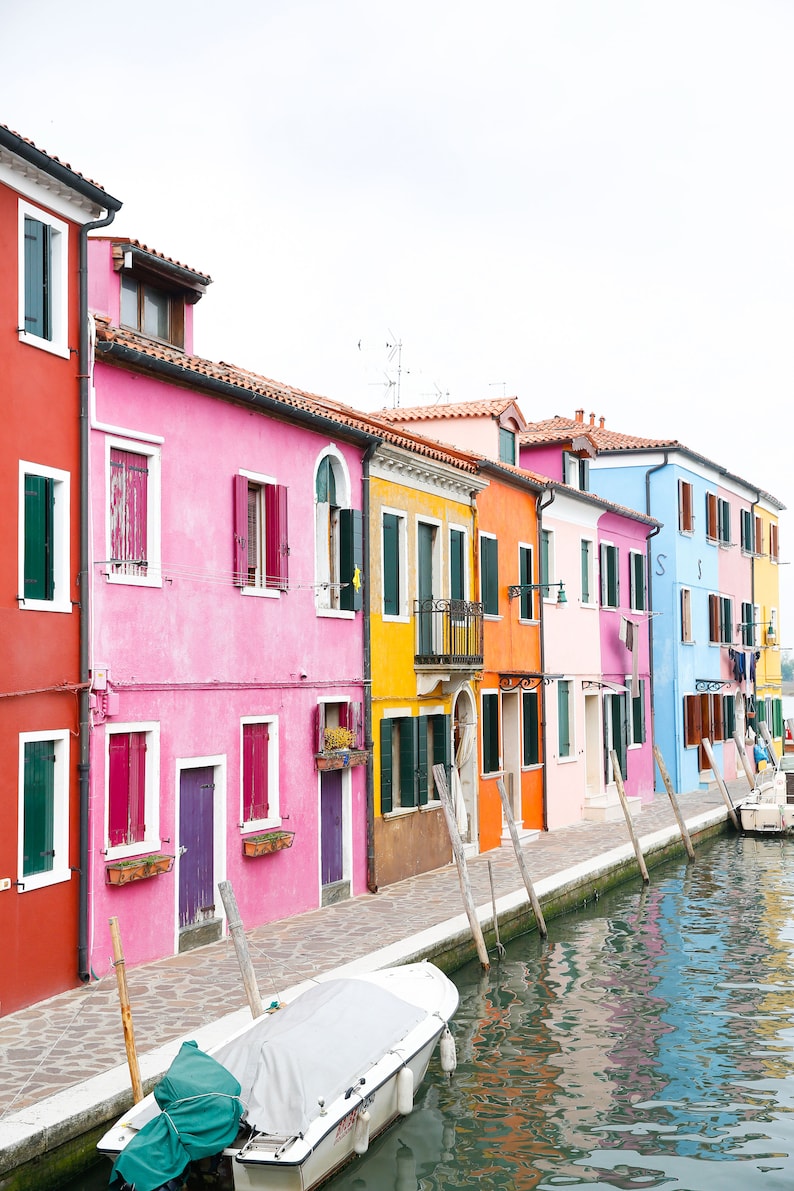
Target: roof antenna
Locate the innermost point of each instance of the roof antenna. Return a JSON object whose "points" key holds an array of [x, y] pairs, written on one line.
{"points": [[503, 383], [395, 349]]}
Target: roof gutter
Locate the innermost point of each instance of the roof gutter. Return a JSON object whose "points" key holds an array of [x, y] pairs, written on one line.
{"points": [[62, 173], [656, 529], [122, 354], [541, 506], [84, 585]]}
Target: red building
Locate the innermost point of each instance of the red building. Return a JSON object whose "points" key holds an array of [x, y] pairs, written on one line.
{"points": [[46, 210]]}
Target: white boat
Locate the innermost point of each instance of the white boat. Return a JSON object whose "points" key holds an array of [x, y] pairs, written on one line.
{"points": [[313, 1080], [768, 809]]}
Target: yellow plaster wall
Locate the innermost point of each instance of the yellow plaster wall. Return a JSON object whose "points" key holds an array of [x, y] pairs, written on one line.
{"points": [[766, 595]]}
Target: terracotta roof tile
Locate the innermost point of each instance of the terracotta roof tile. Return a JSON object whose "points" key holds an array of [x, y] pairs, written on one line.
{"points": [[491, 408], [196, 367], [169, 260], [51, 156]]}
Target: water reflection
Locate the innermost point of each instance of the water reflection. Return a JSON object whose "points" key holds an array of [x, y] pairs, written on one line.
{"points": [[648, 1043]]}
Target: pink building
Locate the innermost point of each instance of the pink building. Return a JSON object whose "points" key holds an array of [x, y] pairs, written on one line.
{"points": [[227, 659]]}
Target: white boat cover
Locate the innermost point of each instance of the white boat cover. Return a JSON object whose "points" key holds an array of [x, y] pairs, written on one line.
{"points": [[314, 1048]]}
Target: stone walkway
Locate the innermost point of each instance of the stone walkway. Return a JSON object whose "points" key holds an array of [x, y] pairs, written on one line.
{"points": [[66, 1040]]}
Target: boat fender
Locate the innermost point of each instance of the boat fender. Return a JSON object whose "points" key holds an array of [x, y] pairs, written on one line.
{"points": [[361, 1132], [405, 1090], [449, 1058]]}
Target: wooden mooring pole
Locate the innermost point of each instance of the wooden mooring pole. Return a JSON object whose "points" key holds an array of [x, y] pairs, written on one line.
{"points": [[237, 931], [668, 785], [627, 812], [742, 753], [126, 1011], [440, 775], [720, 780], [500, 951], [530, 888], [766, 735]]}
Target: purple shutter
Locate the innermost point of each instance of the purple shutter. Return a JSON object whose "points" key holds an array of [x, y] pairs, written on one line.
{"points": [[255, 775], [276, 541], [319, 728], [240, 499]]}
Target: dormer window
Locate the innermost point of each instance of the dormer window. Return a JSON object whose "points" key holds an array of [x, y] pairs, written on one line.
{"points": [[152, 310], [577, 471]]}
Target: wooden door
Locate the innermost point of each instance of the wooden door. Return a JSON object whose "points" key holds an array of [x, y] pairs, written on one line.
{"points": [[331, 864], [196, 846]]}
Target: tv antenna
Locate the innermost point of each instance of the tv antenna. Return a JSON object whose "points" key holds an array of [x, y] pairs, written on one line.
{"points": [[395, 350]]}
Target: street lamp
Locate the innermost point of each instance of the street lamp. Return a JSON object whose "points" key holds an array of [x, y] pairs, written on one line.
{"points": [[516, 590]]}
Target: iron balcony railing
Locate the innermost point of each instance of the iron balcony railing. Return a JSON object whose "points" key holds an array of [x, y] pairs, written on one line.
{"points": [[448, 633]]}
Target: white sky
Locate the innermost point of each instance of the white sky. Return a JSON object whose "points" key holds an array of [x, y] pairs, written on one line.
{"points": [[582, 203]]}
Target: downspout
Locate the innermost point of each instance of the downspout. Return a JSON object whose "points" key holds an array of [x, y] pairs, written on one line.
{"points": [[369, 744], [83, 767], [545, 790], [652, 534]]}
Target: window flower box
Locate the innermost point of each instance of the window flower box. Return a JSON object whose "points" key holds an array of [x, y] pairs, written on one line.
{"points": [[267, 842], [340, 758], [121, 872]]}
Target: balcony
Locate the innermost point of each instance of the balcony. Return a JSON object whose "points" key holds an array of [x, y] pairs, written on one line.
{"points": [[448, 634]]}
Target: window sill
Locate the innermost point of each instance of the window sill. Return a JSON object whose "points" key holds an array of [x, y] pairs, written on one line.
{"points": [[492, 616], [44, 606], [335, 613], [387, 619], [134, 580], [399, 811], [269, 593], [41, 880], [45, 345], [566, 760]]}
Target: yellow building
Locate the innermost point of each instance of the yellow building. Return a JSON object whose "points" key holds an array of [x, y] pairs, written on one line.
{"points": [[426, 650], [763, 543]]}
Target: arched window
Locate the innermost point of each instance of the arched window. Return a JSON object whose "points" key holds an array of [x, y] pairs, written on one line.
{"points": [[338, 538]]}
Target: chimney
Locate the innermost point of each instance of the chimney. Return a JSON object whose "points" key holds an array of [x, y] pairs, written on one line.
{"points": [[592, 419], [601, 423], [580, 415]]}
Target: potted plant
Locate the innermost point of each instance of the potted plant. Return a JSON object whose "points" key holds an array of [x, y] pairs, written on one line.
{"points": [[121, 872], [339, 751], [266, 842]]}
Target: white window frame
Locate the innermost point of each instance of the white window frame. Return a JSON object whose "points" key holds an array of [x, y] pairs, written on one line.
{"points": [[402, 616], [551, 578], [397, 713], [151, 841], [273, 770], [490, 773], [461, 529], [494, 538], [571, 757], [153, 576], [632, 587], [61, 535], [326, 598], [60, 811], [603, 579], [59, 281]]}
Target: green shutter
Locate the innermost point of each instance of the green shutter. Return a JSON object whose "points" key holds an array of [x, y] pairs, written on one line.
{"points": [[490, 733], [442, 744], [725, 521], [422, 768], [39, 508], [39, 799], [545, 549], [525, 579], [638, 579], [585, 571], [748, 538], [386, 767], [489, 562], [408, 751], [456, 565], [564, 718], [728, 715], [391, 565], [351, 559], [37, 278], [325, 485], [530, 728], [638, 715]]}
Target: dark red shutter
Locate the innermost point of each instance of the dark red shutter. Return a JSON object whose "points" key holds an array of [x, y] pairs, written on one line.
{"points": [[276, 540]]}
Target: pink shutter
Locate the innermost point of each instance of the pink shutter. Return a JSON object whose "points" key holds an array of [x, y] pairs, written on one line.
{"points": [[276, 540], [319, 728], [137, 788], [129, 511], [255, 771], [354, 723], [118, 787], [240, 529]]}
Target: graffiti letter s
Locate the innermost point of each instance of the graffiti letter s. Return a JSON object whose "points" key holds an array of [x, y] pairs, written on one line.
{"points": [[660, 563]]}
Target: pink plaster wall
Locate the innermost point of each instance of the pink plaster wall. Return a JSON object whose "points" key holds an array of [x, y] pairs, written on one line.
{"points": [[196, 654], [545, 461]]}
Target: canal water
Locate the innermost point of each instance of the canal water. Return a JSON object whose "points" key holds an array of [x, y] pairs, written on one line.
{"points": [[648, 1043]]}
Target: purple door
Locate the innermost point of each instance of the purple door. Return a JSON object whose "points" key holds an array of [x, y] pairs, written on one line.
{"points": [[331, 826], [196, 870]]}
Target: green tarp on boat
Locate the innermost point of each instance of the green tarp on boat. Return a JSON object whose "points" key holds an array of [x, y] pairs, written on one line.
{"points": [[200, 1114]]}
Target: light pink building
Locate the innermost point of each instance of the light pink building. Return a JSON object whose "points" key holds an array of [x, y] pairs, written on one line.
{"points": [[227, 637]]}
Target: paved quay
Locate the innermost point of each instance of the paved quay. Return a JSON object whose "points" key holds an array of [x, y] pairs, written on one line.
{"points": [[65, 1058]]}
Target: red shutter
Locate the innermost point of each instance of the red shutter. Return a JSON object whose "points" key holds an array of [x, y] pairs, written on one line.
{"points": [[255, 771], [712, 530], [319, 728], [691, 719], [714, 618], [129, 478], [118, 787], [240, 529], [276, 541]]}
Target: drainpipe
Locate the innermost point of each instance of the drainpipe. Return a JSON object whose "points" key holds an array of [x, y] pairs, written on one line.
{"points": [[545, 792], [652, 534], [83, 767], [372, 884]]}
